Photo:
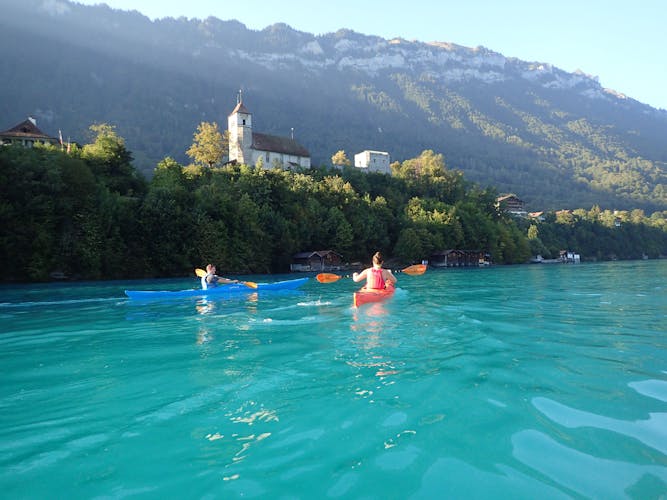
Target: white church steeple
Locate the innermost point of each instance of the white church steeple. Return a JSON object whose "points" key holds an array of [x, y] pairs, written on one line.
{"points": [[239, 125]]}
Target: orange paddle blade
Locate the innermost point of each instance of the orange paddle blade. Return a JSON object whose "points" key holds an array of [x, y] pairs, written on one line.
{"points": [[200, 272], [327, 277], [415, 270]]}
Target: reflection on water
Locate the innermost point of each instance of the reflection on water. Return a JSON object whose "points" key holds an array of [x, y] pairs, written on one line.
{"points": [[203, 335], [205, 306], [371, 322], [212, 310]]}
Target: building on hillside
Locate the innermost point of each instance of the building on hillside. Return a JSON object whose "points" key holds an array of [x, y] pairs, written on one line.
{"points": [[512, 204], [26, 134], [373, 161], [321, 260], [253, 148]]}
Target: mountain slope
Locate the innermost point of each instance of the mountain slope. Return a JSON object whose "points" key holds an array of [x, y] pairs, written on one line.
{"points": [[556, 139]]}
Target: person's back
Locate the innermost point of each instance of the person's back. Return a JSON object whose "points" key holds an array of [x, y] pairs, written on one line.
{"points": [[377, 278]]}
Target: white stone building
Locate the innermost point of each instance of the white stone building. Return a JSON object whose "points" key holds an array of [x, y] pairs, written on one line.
{"points": [[373, 161], [252, 148]]}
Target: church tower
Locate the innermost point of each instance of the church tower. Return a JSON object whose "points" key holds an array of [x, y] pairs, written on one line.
{"points": [[239, 125]]}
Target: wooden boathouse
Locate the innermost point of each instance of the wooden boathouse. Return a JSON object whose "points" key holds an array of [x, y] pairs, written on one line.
{"points": [[459, 258], [320, 260]]}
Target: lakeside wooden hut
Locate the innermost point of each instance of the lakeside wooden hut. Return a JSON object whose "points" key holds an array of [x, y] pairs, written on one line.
{"points": [[320, 260], [459, 258]]}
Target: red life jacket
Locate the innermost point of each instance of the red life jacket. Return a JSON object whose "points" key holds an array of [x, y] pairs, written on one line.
{"points": [[376, 280]]}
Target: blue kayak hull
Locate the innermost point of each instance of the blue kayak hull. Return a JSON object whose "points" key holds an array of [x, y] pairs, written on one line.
{"points": [[221, 291]]}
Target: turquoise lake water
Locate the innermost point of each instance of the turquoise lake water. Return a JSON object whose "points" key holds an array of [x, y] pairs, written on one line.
{"points": [[544, 381]]}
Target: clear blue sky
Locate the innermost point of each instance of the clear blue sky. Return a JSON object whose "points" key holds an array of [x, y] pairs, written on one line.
{"points": [[622, 42]]}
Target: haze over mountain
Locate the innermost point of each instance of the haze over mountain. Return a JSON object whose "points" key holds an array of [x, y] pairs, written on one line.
{"points": [[556, 139]]}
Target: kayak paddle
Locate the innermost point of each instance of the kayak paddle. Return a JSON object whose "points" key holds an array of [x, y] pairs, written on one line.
{"points": [[414, 270], [250, 284], [327, 277]]}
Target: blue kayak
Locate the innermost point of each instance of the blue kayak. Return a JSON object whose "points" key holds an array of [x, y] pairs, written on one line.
{"points": [[220, 291]]}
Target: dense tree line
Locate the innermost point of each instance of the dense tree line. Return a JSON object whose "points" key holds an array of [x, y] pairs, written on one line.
{"points": [[600, 234], [90, 215]]}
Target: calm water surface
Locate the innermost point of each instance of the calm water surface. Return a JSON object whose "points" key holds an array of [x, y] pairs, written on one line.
{"points": [[506, 382]]}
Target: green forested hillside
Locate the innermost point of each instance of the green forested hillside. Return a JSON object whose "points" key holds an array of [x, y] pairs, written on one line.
{"points": [[557, 140], [90, 215]]}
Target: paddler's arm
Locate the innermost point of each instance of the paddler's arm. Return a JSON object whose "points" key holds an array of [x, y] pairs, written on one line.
{"points": [[389, 276], [359, 276], [225, 281]]}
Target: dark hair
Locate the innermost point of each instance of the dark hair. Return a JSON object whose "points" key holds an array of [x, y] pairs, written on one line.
{"points": [[377, 259]]}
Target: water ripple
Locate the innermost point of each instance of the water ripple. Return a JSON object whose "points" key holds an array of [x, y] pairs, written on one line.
{"points": [[573, 469], [652, 431]]}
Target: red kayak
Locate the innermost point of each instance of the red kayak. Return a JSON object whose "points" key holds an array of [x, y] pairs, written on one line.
{"points": [[363, 296]]}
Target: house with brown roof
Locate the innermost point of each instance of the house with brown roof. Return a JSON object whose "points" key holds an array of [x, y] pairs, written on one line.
{"points": [[26, 134], [254, 148]]}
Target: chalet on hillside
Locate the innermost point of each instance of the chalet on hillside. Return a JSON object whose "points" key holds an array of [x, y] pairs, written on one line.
{"points": [[253, 148], [321, 260], [512, 204], [26, 134]]}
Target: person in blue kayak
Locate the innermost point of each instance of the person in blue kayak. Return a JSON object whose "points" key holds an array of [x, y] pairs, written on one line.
{"points": [[211, 280], [377, 278]]}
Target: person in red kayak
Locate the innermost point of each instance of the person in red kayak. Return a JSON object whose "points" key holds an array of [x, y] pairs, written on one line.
{"points": [[211, 280], [377, 278]]}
